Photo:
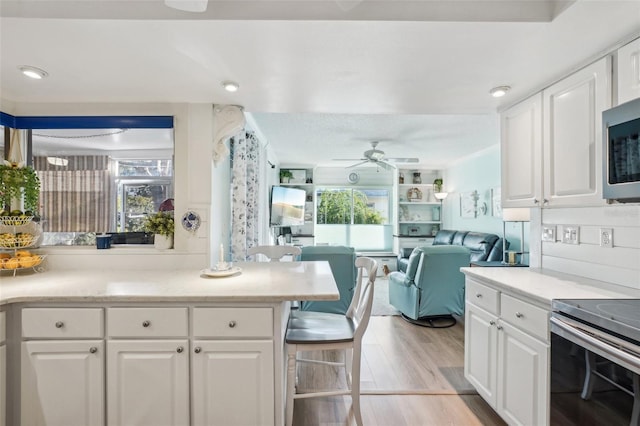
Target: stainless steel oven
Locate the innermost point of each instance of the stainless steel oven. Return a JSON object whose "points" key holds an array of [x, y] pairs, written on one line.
{"points": [[621, 156], [595, 362]]}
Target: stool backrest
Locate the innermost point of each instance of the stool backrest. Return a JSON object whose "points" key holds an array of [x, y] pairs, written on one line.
{"points": [[362, 302], [274, 253]]}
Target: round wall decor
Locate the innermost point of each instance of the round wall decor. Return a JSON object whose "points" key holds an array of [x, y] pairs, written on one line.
{"points": [[353, 177]]}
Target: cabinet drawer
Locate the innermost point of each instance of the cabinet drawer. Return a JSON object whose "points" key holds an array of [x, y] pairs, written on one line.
{"points": [[480, 295], [525, 316], [62, 323], [147, 322], [3, 332], [233, 322]]}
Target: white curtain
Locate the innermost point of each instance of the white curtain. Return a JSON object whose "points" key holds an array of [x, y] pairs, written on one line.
{"points": [[247, 156]]}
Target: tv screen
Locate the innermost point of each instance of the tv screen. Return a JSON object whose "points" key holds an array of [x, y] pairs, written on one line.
{"points": [[287, 206]]}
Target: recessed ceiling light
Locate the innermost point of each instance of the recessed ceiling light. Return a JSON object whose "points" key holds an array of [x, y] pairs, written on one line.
{"points": [[230, 86], [32, 72], [500, 91]]}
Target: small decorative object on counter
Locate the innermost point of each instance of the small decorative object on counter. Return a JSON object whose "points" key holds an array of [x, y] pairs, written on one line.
{"points": [[416, 178], [103, 241], [17, 233], [401, 178], [163, 226]]}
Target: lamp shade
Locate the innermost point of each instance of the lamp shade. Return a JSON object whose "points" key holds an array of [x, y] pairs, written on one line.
{"points": [[440, 195], [516, 215]]}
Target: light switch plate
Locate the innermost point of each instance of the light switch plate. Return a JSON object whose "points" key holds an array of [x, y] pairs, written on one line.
{"points": [[571, 235], [606, 237], [549, 233]]}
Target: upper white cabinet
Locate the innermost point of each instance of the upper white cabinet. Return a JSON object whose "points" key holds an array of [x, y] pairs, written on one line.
{"points": [[572, 136], [521, 150], [551, 155], [629, 71]]}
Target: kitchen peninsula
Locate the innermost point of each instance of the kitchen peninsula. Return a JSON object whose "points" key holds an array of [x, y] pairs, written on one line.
{"points": [[152, 347]]}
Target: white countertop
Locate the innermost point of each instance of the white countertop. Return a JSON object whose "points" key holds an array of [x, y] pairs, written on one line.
{"points": [[545, 285], [258, 282]]}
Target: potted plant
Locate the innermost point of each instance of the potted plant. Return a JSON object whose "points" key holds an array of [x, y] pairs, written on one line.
{"points": [[285, 176], [437, 185], [18, 183], [162, 225]]}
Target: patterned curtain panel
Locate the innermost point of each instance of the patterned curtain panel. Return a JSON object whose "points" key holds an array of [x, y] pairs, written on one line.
{"points": [[76, 196], [245, 187]]}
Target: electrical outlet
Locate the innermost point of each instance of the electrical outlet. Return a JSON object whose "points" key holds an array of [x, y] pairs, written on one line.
{"points": [[606, 237], [571, 235], [549, 233]]}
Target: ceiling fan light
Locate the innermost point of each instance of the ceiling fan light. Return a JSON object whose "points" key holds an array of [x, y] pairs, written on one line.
{"points": [[33, 72], [500, 91], [230, 86]]}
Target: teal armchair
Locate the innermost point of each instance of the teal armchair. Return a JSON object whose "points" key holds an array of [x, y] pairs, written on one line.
{"points": [[432, 285], [343, 265]]}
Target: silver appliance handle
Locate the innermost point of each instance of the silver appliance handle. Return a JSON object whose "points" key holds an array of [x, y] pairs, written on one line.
{"points": [[583, 335]]}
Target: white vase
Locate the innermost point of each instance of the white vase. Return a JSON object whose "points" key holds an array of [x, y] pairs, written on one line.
{"points": [[162, 242]]}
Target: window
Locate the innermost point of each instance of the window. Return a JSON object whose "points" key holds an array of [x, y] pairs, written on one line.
{"points": [[358, 217]]}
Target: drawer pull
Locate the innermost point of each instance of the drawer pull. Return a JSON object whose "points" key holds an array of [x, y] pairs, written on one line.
{"points": [[59, 324], [146, 323], [499, 327], [478, 295], [519, 315], [197, 349], [93, 349], [492, 322], [232, 324], [180, 349]]}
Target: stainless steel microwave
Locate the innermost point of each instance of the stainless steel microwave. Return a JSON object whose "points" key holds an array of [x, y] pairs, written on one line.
{"points": [[621, 159]]}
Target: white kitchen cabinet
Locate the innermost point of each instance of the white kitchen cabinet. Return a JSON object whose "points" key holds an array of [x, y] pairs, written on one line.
{"points": [[62, 383], [521, 153], [232, 382], [148, 382], [506, 353], [628, 66], [572, 137]]}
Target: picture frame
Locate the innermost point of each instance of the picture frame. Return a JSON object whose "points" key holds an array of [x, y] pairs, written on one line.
{"points": [[468, 204], [299, 176], [496, 202]]}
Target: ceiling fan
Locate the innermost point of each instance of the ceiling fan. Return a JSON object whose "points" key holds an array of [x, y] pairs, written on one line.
{"points": [[377, 157]]}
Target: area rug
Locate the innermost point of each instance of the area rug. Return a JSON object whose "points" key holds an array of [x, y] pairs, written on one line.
{"points": [[381, 306]]}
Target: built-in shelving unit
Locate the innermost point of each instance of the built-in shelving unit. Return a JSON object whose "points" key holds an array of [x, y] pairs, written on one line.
{"points": [[303, 179]]}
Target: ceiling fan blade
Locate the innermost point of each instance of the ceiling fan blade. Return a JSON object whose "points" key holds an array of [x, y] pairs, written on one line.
{"points": [[357, 164], [402, 160], [188, 5], [385, 166], [349, 159]]}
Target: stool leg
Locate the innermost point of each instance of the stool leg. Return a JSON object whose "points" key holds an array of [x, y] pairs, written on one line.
{"points": [[635, 413], [589, 377], [291, 382], [355, 384]]}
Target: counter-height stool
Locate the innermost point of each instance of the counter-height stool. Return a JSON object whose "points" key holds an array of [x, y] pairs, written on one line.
{"points": [[322, 331], [274, 253]]}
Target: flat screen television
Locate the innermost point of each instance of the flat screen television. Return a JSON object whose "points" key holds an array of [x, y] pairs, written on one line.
{"points": [[287, 206]]}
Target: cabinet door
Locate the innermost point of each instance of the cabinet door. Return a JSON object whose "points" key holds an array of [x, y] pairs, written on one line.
{"points": [[523, 377], [232, 382], [573, 136], [629, 72], [480, 356], [3, 384], [62, 383], [521, 152], [148, 382]]}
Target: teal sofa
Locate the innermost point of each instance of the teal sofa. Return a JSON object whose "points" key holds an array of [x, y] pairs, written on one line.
{"points": [[432, 285], [343, 265]]}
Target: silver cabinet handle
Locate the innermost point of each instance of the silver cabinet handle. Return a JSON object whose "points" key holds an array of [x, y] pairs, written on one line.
{"points": [[545, 201], [499, 327], [197, 349], [535, 201], [179, 349], [232, 324], [59, 324], [478, 295], [492, 322], [93, 349], [146, 323], [519, 315]]}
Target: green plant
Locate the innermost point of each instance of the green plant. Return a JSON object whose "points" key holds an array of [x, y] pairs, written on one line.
{"points": [[286, 174], [19, 182], [437, 185], [160, 223]]}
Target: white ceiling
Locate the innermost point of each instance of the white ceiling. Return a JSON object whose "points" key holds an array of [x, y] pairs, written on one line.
{"points": [[321, 78]]}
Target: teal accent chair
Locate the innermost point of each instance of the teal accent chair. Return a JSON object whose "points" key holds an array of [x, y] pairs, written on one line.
{"points": [[343, 265], [432, 285]]}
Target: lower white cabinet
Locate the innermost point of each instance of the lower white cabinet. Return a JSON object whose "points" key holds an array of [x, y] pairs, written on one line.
{"points": [[148, 382], [62, 383], [506, 355], [232, 382]]}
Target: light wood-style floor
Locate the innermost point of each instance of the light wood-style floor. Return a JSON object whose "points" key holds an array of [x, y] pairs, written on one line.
{"points": [[411, 376]]}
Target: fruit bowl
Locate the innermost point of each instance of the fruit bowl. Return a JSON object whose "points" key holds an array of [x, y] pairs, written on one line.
{"points": [[15, 220]]}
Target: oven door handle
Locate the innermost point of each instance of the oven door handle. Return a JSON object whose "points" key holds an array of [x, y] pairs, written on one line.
{"points": [[574, 334]]}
